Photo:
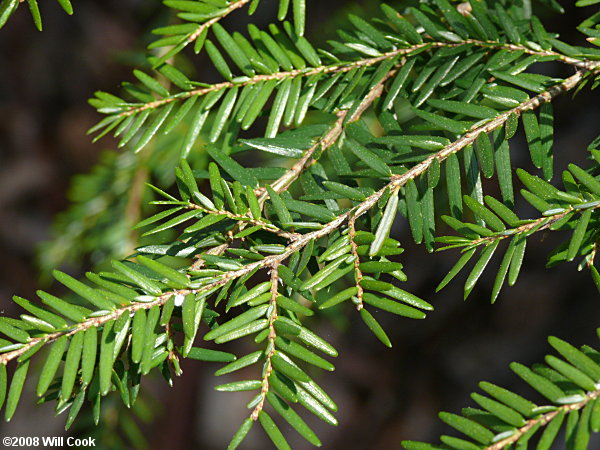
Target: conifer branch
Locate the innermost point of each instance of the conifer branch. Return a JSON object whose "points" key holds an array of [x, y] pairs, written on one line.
{"points": [[88, 323], [345, 67], [277, 76], [542, 420], [400, 180], [470, 137], [301, 241], [539, 224]]}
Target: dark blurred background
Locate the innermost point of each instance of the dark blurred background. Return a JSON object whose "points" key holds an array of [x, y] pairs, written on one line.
{"points": [[384, 395]]}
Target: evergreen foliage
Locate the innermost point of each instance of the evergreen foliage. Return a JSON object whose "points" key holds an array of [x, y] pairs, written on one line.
{"points": [[415, 109]]}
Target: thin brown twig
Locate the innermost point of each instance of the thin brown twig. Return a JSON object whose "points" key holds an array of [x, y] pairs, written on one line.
{"points": [[268, 368], [357, 272]]}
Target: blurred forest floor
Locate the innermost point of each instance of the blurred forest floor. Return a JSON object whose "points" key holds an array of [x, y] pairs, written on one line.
{"points": [[384, 395]]}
